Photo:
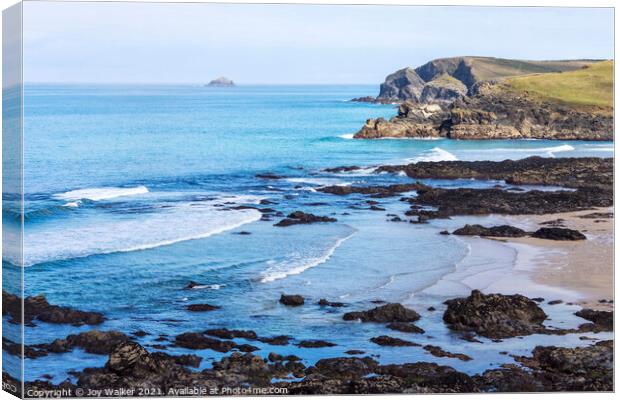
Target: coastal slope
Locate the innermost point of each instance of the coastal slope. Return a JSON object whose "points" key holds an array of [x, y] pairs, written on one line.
{"points": [[489, 103]]}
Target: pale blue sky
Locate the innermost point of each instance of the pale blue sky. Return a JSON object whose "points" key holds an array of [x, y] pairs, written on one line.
{"points": [[194, 43]]}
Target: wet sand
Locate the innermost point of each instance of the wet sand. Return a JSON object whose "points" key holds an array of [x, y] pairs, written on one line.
{"points": [[581, 267]]}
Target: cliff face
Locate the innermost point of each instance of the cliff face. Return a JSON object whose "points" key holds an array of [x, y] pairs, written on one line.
{"points": [[458, 100], [492, 114]]}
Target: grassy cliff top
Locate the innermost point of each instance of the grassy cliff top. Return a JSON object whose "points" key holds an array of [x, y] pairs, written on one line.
{"points": [[590, 86]]}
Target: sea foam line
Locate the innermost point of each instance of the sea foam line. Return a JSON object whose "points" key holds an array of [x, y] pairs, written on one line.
{"points": [[433, 155], [310, 263], [97, 194]]}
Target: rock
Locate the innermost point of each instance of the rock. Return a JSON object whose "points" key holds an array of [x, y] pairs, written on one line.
{"points": [[392, 312], [224, 333], [444, 233], [599, 215], [450, 202], [405, 327], [315, 344], [603, 320], [558, 234], [243, 233], [443, 89], [392, 341], [201, 307], [94, 342], [554, 302], [281, 340], [197, 341], [355, 352], [139, 333], [364, 99], [439, 352], [494, 316], [404, 84], [269, 176], [585, 172], [188, 360], [192, 285], [378, 191], [294, 300], [346, 367], [497, 231], [299, 217], [247, 348], [326, 303], [37, 308], [221, 82]]}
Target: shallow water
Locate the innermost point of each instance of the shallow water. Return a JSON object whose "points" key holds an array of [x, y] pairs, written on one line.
{"points": [[131, 193]]}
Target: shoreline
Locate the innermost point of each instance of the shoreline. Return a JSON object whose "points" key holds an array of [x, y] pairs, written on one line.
{"points": [[574, 272]]}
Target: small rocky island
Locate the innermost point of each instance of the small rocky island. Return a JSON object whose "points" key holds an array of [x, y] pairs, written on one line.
{"points": [[491, 98], [221, 82]]}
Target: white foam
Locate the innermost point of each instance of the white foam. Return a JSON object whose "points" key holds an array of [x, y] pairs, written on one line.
{"points": [[316, 181], [534, 150], [298, 263], [86, 236], [347, 136], [215, 286], [433, 155], [97, 194]]}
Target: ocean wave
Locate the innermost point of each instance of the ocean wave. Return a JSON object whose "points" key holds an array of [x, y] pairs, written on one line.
{"points": [[433, 155], [554, 149], [317, 181], [176, 222], [97, 194], [347, 136], [299, 263]]}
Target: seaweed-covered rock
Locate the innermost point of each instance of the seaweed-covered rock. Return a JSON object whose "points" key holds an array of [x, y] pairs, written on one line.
{"points": [[299, 217], [558, 234], [293, 300], [495, 316], [497, 231], [392, 312]]}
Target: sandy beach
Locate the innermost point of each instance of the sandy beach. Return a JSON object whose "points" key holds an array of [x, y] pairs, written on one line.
{"points": [[583, 267]]}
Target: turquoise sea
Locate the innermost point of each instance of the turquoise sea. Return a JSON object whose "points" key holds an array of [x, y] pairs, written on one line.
{"points": [[132, 192]]}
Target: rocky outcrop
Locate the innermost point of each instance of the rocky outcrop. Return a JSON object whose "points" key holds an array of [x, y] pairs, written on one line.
{"points": [[392, 341], [602, 320], [293, 300], [404, 84], [443, 89], [392, 312], [558, 234], [567, 172], [221, 82], [37, 308], [377, 191], [299, 217], [495, 316], [496, 231], [439, 352], [412, 121]]}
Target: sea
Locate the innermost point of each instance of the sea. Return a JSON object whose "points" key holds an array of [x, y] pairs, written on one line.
{"points": [[131, 192]]}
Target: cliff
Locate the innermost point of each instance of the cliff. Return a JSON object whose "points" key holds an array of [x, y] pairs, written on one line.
{"points": [[566, 104]]}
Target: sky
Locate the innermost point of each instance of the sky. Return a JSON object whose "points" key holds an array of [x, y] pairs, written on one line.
{"points": [[286, 44]]}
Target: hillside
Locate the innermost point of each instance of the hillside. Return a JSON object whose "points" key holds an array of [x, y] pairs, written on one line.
{"points": [[589, 86], [408, 84], [572, 101]]}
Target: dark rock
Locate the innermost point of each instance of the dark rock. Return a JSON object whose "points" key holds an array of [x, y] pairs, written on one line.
{"points": [[558, 234], [294, 300], [140, 333], [405, 327], [269, 176], [497, 231], [392, 341], [37, 307], [224, 333], [599, 215], [201, 307], [326, 303], [393, 312], [299, 217], [281, 340], [247, 348], [495, 316], [94, 342], [315, 344], [355, 352], [444, 233], [379, 191], [243, 233], [554, 302], [188, 360], [346, 367], [439, 352], [603, 320], [197, 341]]}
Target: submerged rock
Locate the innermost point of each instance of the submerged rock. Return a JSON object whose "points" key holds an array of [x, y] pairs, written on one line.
{"points": [[405, 327], [385, 340], [392, 312], [315, 344], [299, 217], [495, 316], [293, 300], [439, 352], [202, 307]]}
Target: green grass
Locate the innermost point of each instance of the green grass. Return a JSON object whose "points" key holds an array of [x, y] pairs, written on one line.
{"points": [[591, 86]]}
